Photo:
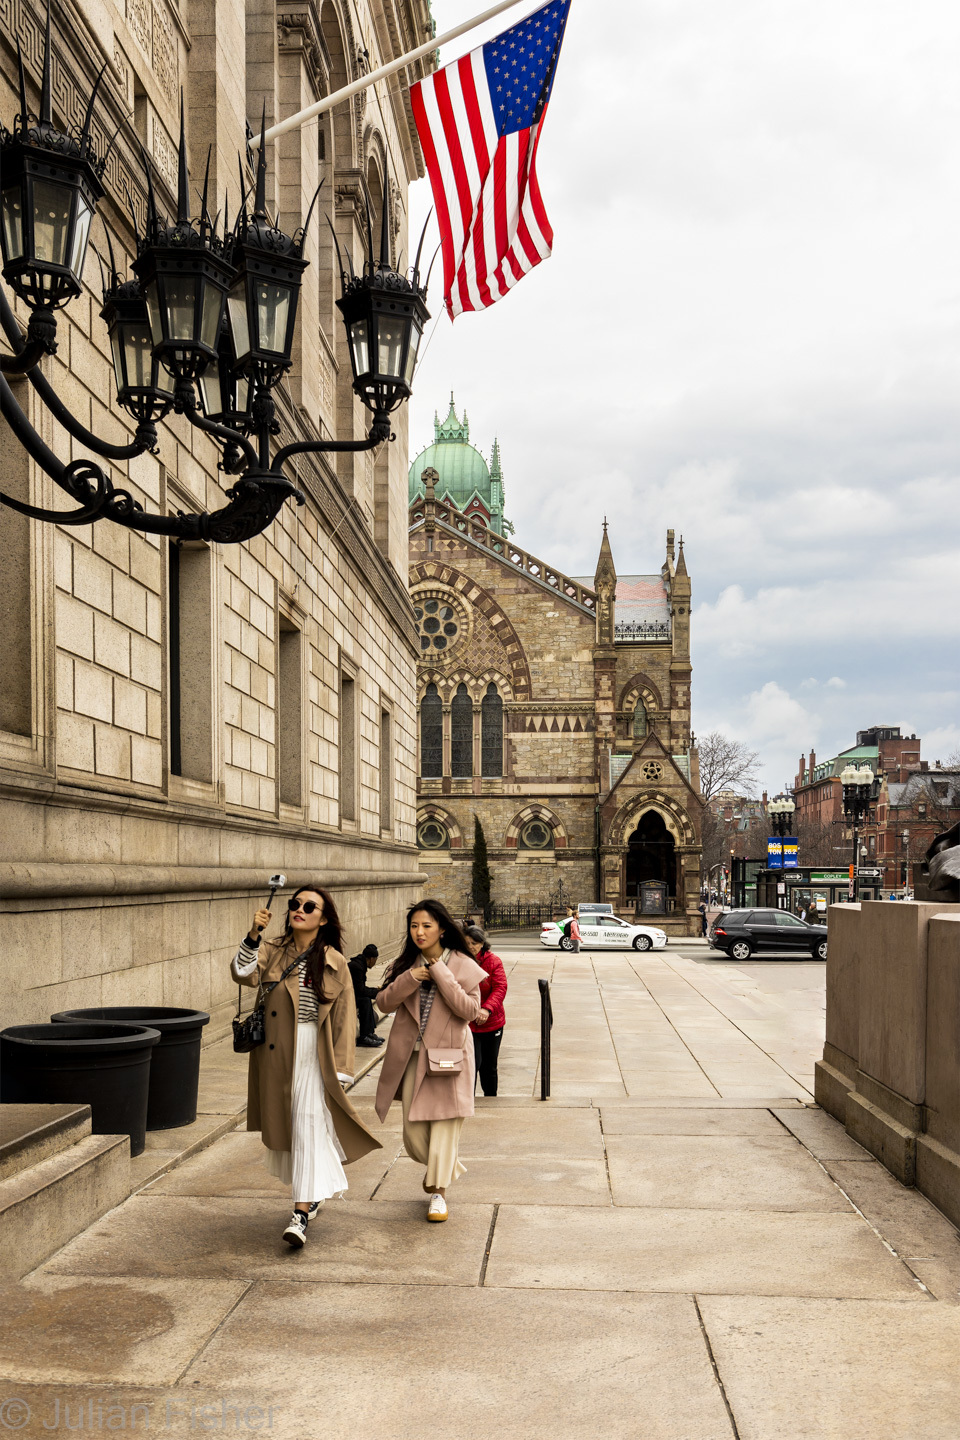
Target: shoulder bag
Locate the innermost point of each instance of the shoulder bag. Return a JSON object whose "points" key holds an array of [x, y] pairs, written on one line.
{"points": [[251, 1032], [439, 1061]]}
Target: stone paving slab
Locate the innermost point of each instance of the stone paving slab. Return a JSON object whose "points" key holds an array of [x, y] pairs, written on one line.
{"points": [[694, 1251], [138, 1330], [559, 1180], [797, 1369], [236, 1168], [719, 1172], [517, 1366], [210, 1237], [673, 1121], [823, 1136]]}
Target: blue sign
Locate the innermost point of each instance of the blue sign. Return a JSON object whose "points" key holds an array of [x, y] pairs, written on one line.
{"points": [[791, 849], [774, 853]]}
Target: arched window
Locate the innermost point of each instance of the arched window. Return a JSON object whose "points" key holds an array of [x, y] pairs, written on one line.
{"points": [[431, 733], [491, 732], [432, 835], [461, 734], [640, 721]]}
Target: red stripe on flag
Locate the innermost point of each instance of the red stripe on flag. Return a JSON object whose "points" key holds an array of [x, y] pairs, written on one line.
{"points": [[436, 183], [472, 106]]}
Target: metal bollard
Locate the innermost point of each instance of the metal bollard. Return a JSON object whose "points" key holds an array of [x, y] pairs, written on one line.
{"points": [[546, 1025]]}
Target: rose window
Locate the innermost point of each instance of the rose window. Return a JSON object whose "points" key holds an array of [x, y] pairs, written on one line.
{"points": [[438, 625], [652, 770], [432, 835], [536, 835]]}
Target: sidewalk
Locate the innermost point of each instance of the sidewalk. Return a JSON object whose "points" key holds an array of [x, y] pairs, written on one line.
{"points": [[678, 1246]]}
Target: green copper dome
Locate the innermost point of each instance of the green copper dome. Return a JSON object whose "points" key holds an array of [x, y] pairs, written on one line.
{"points": [[466, 480]]}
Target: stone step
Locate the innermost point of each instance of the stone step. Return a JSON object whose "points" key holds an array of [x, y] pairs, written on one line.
{"points": [[48, 1203], [31, 1133]]}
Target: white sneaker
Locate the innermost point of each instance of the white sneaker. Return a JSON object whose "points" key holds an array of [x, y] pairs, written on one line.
{"points": [[296, 1232], [313, 1209], [437, 1209]]}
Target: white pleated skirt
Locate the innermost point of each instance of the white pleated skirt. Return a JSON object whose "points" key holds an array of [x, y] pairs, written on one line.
{"points": [[314, 1167]]}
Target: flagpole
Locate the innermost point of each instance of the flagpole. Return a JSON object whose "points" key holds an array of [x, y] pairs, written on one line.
{"points": [[294, 122]]}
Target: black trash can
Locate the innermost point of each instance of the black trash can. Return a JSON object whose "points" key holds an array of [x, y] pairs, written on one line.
{"points": [[175, 1067], [104, 1066]]}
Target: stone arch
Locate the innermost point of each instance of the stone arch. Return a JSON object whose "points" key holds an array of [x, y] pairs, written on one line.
{"points": [[674, 816], [640, 687], [536, 812], [427, 572], [429, 810]]}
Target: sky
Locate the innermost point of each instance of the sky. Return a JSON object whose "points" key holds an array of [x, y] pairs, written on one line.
{"points": [[748, 332]]}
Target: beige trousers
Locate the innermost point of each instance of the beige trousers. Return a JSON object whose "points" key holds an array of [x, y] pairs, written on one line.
{"points": [[433, 1143]]}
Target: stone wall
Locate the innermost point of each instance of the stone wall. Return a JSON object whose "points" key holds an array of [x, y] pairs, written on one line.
{"points": [[126, 876], [890, 1069]]}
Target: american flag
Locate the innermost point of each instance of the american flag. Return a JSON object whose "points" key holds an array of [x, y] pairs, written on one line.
{"points": [[479, 122]]}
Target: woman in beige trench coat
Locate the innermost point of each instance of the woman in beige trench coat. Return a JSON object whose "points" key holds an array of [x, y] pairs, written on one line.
{"points": [[433, 987], [294, 1095]]}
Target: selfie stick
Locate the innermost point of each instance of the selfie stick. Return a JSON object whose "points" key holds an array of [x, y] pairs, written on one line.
{"points": [[276, 882]]}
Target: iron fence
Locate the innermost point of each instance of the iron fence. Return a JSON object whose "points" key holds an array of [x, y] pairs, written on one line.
{"points": [[519, 916]]}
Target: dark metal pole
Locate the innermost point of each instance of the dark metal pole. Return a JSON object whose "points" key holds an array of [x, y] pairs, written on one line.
{"points": [[546, 1024]]}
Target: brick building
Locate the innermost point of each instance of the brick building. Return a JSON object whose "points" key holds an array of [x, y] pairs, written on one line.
{"points": [[159, 756], [556, 709]]}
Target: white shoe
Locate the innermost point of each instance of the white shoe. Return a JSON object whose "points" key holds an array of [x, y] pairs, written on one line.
{"points": [[313, 1209], [437, 1209]]}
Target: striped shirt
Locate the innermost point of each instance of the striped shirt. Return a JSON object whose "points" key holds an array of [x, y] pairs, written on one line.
{"points": [[245, 962], [428, 991]]}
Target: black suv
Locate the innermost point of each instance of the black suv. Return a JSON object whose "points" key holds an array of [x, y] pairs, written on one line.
{"points": [[740, 932]]}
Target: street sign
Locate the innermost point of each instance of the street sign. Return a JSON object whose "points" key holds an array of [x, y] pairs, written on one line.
{"points": [[870, 873], [781, 888], [850, 884], [774, 853]]}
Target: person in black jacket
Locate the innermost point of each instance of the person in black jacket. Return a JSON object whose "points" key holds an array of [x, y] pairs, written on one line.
{"points": [[365, 995]]}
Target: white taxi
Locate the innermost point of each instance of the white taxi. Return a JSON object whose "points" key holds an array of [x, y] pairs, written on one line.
{"points": [[604, 932]]}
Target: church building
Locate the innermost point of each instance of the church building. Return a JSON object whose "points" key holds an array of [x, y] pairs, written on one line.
{"points": [[555, 709]]}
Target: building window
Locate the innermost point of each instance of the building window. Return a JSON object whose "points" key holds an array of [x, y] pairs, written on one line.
{"points": [[461, 734], [16, 699], [190, 661], [348, 748], [640, 721], [535, 835], [386, 770], [431, 734], [432, 835], [290, 714], [438, 625], [491, 733]]}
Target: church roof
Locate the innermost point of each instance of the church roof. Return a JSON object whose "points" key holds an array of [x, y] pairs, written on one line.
{"points": [[639, 599], [461, 467]]}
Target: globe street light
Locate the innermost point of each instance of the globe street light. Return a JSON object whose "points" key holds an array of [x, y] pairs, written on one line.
{"points": [[859, 793], [208, 311], [781, 811]]}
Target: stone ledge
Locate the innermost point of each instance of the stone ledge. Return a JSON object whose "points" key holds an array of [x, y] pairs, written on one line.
{"points": [[892, 1143], [32, 881], [938, 1175], [831, 1088]]}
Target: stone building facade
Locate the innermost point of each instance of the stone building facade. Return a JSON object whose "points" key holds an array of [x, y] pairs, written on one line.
{"points": [[176, 722], [557, 711]]}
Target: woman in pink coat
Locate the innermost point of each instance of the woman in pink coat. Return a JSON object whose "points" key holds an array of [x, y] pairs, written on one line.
{"points": [[433, 989]]}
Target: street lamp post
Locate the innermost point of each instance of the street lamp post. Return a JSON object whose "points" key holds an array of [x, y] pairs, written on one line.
{"points": [[207, 311], [859, 793], [780, 812]]}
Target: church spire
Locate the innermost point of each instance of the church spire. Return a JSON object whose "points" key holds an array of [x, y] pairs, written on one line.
{"points": [[681, 563], [606, 570], [605, 584]]}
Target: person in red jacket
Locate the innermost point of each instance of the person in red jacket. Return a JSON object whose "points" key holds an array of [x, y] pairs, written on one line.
{"points": [[488, 1026]]}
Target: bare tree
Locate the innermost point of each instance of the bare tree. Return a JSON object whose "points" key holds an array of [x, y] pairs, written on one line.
{"points": [[726, 765], [821, 842]]}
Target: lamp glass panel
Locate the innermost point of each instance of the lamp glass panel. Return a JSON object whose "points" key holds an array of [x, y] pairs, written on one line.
{"points": [[180, 296], [360, 347], [117, 349], [138, 344], [390, 345], [51, 221], [153, 311], [212, 315], [237, 306], [81, 235], [273, 313], [211, 394], [12, 223], [412, 348], [243, 395], [163, 380]]}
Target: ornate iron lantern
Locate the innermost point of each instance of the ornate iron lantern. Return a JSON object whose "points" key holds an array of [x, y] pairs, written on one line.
{"points": [[51, 184], [385, 314], [185, 278], [144, 387], [225, 396]]}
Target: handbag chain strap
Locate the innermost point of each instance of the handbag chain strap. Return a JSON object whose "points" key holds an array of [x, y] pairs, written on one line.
{"points": [[262, 992]]}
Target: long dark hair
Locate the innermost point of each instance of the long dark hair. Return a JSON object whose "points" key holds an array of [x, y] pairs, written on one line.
{"points": [[451, 938], [329, 934]]}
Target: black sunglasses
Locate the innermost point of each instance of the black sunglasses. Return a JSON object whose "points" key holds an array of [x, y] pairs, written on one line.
{"points": [[307, 906]]}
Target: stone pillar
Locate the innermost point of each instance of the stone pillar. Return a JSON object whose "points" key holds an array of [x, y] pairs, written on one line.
{"points": [[836, 1074], [938, 1150], [884, 1112]]}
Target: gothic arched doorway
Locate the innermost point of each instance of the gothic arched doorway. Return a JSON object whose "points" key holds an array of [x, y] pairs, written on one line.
{"points": [[651, 855]]}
